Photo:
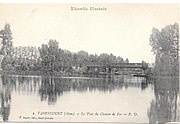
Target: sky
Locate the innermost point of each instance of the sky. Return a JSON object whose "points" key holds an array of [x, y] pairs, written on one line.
{"points": [[121, 29]]}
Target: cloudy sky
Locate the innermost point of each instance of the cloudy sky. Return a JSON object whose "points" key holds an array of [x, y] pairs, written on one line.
{"points": [[122, 29]]}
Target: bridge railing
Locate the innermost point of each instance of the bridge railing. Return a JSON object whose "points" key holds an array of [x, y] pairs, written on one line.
{"points": [[118, 65]]}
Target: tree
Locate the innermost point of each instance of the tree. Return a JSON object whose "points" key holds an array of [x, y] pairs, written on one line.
{"points": [[50, 56], [25, 56], [104, 58], [127, 60], [7, 44], [165, 45], [82, 58], [7, 47]]}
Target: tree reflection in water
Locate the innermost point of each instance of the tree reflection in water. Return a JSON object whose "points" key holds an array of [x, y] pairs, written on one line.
{"points": [[164, 107], [50, 88], [5, 97]]}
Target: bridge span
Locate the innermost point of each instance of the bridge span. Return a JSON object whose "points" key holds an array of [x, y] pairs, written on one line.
{"points": [[115, 68]]}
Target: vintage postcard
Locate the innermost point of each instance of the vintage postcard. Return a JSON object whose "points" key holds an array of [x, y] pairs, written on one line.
{"points": [[101, 62]]}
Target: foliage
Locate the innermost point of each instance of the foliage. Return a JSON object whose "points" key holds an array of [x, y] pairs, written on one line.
{"points": [[7, 46], [55, 59], [25, 58], [165, 45], [49, 58]]}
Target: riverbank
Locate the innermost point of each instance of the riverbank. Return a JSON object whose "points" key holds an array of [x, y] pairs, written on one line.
{"points": [[35, 73], [61, 74]]}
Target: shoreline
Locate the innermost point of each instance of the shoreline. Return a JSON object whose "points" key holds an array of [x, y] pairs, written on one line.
{"points": [[74, 75]]}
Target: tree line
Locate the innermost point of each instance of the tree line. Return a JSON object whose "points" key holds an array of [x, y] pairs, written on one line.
{"points": [[48, 57]]}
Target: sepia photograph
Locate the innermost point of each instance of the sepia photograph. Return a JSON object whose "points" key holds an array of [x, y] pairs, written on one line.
{"points": [[89, 63]]}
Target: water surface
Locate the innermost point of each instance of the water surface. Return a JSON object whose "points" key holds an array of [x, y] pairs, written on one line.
{"points": [[134, 99]]}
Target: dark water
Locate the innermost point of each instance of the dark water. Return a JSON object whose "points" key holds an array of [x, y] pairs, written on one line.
{"points": [[134, 98]]}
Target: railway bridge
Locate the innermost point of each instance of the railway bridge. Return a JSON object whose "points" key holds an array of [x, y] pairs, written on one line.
{"points": [[119, 68]]}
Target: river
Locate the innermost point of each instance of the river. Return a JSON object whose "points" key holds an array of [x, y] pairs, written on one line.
{"points": [[88, 99]]}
